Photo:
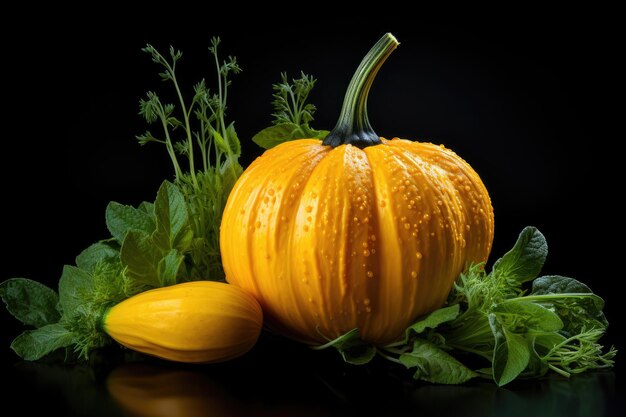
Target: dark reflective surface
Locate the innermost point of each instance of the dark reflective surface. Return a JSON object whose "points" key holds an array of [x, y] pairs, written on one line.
{"points": [[303, 383]]}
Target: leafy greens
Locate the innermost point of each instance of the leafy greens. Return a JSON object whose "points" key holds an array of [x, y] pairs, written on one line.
{"points": [[173, 239], [556, 327]]}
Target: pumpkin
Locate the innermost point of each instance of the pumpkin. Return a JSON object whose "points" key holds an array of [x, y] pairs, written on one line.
{"points": [[196, 322], [356, 231]]}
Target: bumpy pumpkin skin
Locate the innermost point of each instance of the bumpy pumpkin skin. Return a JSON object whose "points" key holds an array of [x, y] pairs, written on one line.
{"points": [[195, 322], [332, 239]]}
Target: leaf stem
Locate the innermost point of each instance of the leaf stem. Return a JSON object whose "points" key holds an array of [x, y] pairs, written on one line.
{"points": [[389, 358]]}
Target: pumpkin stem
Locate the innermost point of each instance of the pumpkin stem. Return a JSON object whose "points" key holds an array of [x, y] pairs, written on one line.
{"points": [[353, 126]]}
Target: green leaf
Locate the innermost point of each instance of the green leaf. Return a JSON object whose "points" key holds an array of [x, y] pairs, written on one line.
{"points": [[577, 306], [434, 319], [35, 344], [275, 135], [98, 252], [230, 176], [147, 207], [141, 257], [121, 219], [30, 302], [525, 260], [352, 348], [309, 133], [173, 229], [556, 284], [74, 287], [219, 140], [169, 268], [435, 365], [545, 342], [511, 353], [530, 316], [233, 140]]}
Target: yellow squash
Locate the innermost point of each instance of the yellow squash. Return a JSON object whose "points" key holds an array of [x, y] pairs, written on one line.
{"points": [[196, 322], [357, 231]]}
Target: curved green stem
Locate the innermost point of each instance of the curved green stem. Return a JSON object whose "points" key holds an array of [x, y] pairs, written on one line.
{"points": [[353, 126]]}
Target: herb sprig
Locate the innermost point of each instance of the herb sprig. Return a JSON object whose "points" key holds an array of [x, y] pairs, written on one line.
{"points": [[292, 114]]}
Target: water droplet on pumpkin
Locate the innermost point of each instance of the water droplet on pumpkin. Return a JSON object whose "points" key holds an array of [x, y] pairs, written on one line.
{"points": [[418, 255], [370, 274], [270, 191], [414, 274], [310, 299], [366, 252], [373, 238], [306, 228], [368, 309], [439, 202], [309, 218], [407, 226], [426, 216], [467, 188], [366, 301], [313, 194], [309, 209]]}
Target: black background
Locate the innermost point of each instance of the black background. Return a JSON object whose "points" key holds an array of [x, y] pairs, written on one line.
{"points": [[527, 98]]}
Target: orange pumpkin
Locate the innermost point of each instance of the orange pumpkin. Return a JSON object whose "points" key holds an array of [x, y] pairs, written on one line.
{"points": [[356, 231]]}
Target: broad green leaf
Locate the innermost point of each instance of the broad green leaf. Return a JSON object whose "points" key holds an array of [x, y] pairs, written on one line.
{"points": [[275, 135], [30, 302], [233, 140], [575, 303], [169, 268], [35, 344], [511, 353], [98, 252], [533, 317], [525, 260], [173, 230], [435, 365], [74, 287], [434, 319], [556, 284], [352, 348], [141, 258], [544, 342], [147, 207], [121, 219]]}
